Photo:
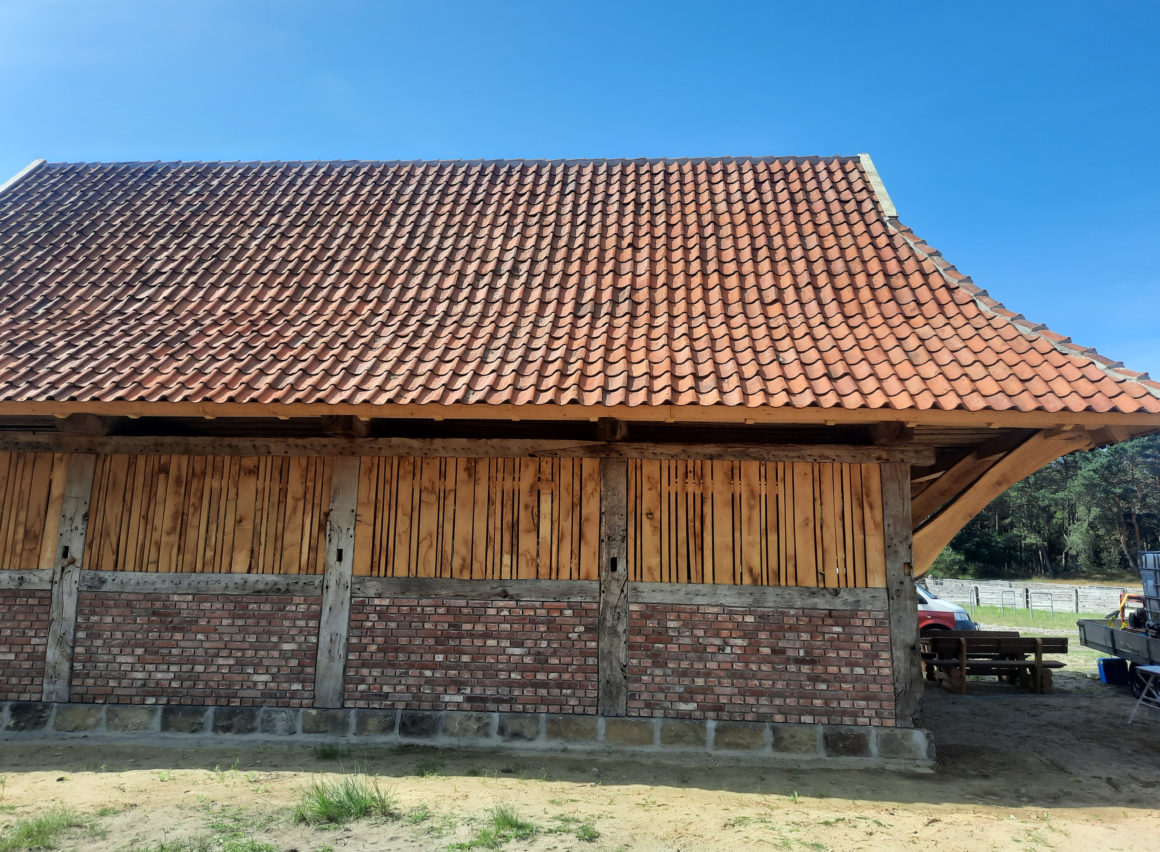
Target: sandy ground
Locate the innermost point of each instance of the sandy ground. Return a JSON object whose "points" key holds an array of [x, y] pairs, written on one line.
{"points": [[1015, 771]]}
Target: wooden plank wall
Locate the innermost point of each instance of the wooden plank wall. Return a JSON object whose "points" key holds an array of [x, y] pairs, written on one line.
{"points": [[209, 514], [756, 523], [478, 518], [31, 496]]}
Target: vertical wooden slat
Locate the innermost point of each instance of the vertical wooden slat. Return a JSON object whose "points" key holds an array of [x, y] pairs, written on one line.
{"points": [[590, 521], [858, 525], [53, 512], [402, 566], [37, 506], [872, 520], [426, 557], [827, 520], [565, 567], [247, 495], [805, 554], [171, 513], [849, 576], [7, 488], [461, 556], [545, 493], [680, 518], [529, 520], [750, 514], [480, 517], [650, 521], [366, 519], [722, 530], [18, 510]]}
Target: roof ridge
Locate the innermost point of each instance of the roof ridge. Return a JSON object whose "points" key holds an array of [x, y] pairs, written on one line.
{"points": [[20, 175], [1112, 369], [761, 158]]}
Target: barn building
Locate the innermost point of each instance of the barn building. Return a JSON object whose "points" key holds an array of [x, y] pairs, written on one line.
{"points": [[614, 453]]}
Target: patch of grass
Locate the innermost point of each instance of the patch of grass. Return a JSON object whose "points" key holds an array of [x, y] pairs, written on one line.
{"points": [[42, 832], [428, 768], [1015, 618], [330, 751], [504, 826], [587, 832], [345, 799], [418, 815]]}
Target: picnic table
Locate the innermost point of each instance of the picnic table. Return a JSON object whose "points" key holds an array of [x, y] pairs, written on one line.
{"points": [[950, 656]]}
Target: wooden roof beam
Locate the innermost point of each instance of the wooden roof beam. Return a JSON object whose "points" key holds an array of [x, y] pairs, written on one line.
{"points": [[1040, 449], [960, 475]]}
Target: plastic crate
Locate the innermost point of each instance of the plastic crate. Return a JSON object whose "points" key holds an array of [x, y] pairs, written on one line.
{"points": [[1113, 670]]}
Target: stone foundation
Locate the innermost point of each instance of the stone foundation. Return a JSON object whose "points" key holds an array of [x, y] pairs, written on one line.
{"points": [[766, 742]]}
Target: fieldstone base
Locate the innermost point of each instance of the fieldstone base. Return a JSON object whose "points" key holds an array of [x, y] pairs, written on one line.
{"points": [[903, 748]]}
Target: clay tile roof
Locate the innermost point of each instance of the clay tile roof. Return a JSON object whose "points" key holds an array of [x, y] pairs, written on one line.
{"points": [[731, 282]]}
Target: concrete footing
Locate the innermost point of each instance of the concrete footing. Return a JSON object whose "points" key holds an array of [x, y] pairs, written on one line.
{"points": [[903, 748]]}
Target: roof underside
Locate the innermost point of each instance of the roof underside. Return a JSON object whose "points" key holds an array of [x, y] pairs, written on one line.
{"points": [[720, 283]]}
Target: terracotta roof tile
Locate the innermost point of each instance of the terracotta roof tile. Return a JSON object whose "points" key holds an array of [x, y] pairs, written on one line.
{"points": [[748, 282]]}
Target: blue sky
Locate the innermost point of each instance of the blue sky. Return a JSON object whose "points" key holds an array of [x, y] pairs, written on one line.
{"points": [[1015, 137]]}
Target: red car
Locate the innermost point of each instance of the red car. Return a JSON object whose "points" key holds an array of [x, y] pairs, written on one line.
{"points": [[937, 614]]}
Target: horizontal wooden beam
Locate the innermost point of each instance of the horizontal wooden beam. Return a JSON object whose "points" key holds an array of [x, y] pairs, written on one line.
{"points": [[763, 597], [457, 447], [201, 584], [572, 412], [35, 580], [475, 590]]}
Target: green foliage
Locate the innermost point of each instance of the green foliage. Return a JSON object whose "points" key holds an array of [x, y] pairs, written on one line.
{"points": [[42, 832], [345, 799], [1085, 514]]}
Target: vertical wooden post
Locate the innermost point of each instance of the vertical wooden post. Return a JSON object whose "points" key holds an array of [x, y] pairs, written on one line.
{"points": [[334, 622], [612, 630], [66, 575], [900, 592]]}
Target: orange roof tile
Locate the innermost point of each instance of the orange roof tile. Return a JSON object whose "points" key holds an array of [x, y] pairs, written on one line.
{"points": [[738, 282]]}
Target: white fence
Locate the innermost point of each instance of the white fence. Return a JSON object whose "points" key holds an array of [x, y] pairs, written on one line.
{"points": [[1059, 597]]}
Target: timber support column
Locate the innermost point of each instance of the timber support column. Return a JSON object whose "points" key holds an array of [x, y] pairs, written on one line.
{"points": [[334, 621], [66, 576], [612, 630], [900, 593]]}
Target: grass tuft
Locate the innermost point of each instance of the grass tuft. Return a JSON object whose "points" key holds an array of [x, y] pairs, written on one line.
{"points": [[42, 832], [504, 825], [345, 799]]}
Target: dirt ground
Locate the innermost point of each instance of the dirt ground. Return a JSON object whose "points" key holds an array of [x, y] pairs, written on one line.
{"points": [[1015, 771]]}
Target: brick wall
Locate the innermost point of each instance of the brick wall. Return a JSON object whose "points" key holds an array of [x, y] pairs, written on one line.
{"points": [[527, 656], [195, 649], [23, 636], [803, 666]]}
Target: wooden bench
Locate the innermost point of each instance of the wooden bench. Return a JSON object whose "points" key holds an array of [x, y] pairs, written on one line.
{"points": [[949, 659]]}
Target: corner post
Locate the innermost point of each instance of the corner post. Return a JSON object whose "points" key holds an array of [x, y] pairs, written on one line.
{"points": [[334, 620], [612, 630], [900, 593], [66, 576]]}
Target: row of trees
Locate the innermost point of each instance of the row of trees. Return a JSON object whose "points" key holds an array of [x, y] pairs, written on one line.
{"points": [[1087, 513]]}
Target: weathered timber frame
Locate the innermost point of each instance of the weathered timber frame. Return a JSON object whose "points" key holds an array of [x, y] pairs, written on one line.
{"points": [[336, 587], [463, 448]]}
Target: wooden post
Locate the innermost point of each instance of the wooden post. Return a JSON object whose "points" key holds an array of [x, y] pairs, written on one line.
{"points": [[334, 622], [66, 575], [612, 630], [901, 595]]}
